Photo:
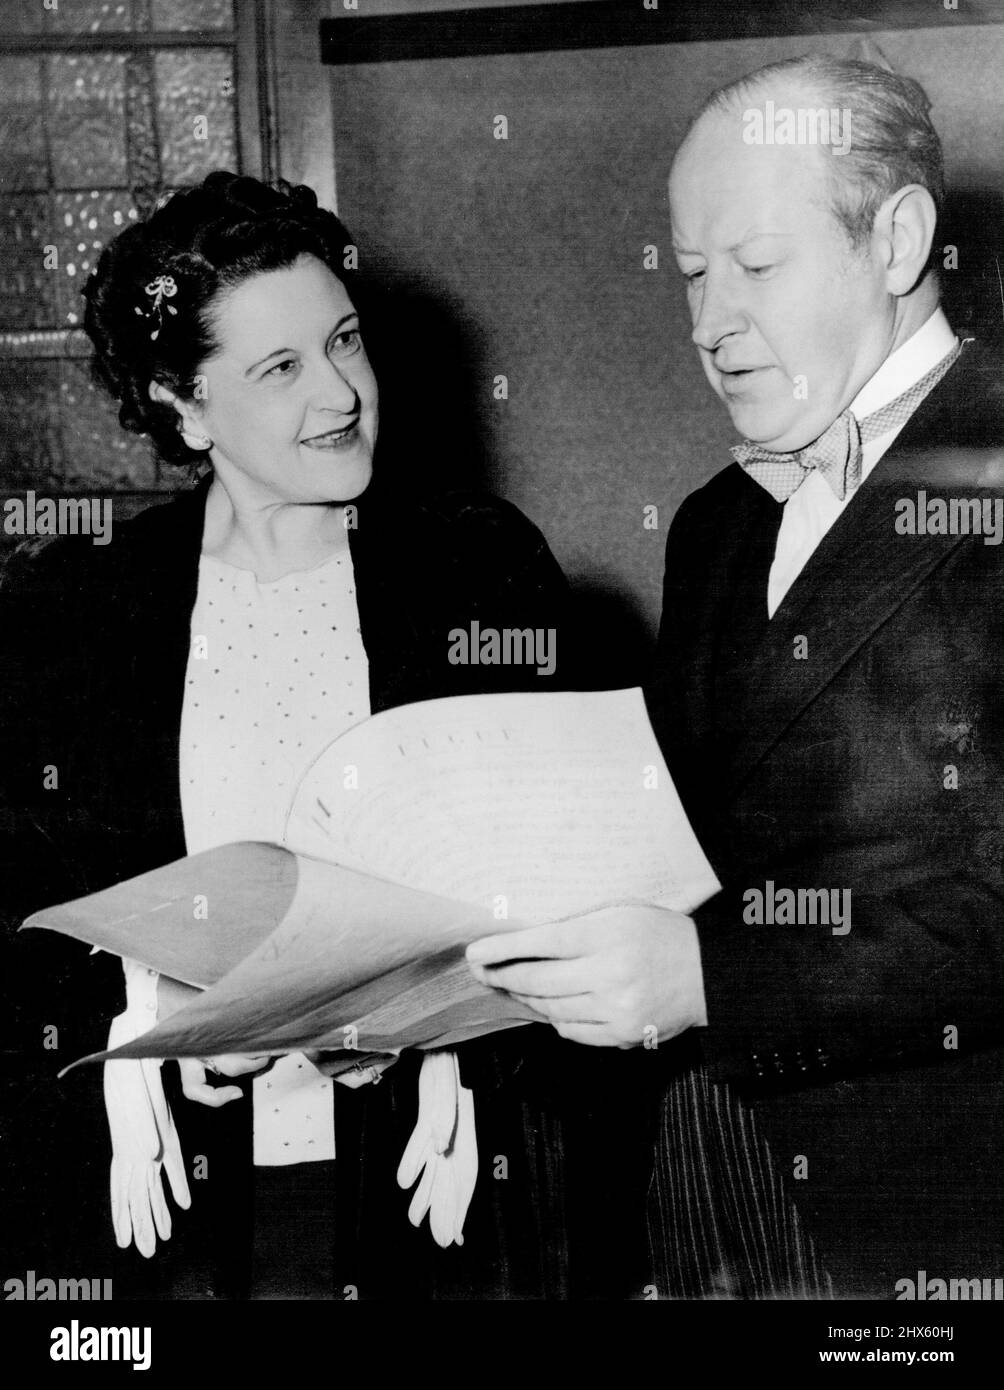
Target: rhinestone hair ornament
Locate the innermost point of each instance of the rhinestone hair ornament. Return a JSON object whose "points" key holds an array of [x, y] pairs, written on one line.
{"points": [[163, 287]]}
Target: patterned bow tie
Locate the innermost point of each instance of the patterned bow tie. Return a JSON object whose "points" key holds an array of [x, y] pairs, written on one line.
{"points": [[837, 451]]}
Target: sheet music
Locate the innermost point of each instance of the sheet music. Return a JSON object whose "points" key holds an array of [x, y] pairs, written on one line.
{"points": [[533, 806], [415, 833]]}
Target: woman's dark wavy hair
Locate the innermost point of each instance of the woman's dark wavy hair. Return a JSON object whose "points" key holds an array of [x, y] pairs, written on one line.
{"points": [[208, 238]]}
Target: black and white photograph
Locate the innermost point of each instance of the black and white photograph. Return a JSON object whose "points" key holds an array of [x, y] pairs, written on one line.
{"points": [[502, 672]]}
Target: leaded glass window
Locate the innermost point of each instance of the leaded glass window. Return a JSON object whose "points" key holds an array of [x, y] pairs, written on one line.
{"points": [[104, 106]]}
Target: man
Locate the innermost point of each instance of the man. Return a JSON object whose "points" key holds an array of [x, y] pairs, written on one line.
{"points": [[828, 695]]}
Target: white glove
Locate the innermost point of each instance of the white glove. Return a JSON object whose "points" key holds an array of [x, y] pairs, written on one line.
{"points": [[143, 1135], [442, 1149]]}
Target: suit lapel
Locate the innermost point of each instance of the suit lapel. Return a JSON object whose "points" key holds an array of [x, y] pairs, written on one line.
{"points": [[861, 573]]}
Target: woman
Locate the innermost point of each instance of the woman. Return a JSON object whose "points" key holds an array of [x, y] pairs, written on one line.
{"points": [[164, 694]]}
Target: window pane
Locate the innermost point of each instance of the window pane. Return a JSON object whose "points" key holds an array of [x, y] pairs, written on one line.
{"points": [[30, 445], [84, 137], [18, 18], [195, 113], [87, 103], [84, 222], [193, 14], [89, 16], [99, 455], [27, 288], [22, 147], [60, 432]]}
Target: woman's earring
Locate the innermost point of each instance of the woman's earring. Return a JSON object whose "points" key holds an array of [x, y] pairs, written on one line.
{"points": [[196, 441]]}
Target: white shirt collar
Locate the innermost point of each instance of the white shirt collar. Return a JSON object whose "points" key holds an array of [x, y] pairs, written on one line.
{"points": [[912, 360]]}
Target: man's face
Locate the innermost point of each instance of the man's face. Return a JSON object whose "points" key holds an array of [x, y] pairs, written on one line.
{"points": [[788, 320]]}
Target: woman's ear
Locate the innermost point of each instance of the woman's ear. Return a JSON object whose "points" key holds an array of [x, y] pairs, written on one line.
{"points": [[165, 396], [188, 421]]}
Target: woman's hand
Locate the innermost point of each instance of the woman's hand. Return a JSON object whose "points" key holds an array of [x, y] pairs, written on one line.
{"points": [[196, 1087]]}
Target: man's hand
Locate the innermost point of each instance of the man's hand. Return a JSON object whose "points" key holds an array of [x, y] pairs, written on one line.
{"points": [[367, 1071], [195, 1086], [618, 977]]}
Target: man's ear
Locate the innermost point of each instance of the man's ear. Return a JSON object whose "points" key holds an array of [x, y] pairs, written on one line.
{"points": [[905, 223]]}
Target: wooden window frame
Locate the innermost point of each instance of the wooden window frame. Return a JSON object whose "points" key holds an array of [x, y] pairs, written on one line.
{"points": [[252, 42]]}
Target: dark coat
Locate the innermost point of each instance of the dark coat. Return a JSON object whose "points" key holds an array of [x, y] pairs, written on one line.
{"points": [[96, 642], [834, 770]]}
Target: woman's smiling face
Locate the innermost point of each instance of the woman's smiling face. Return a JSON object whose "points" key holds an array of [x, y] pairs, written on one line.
{"points": [[290, 399]]}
